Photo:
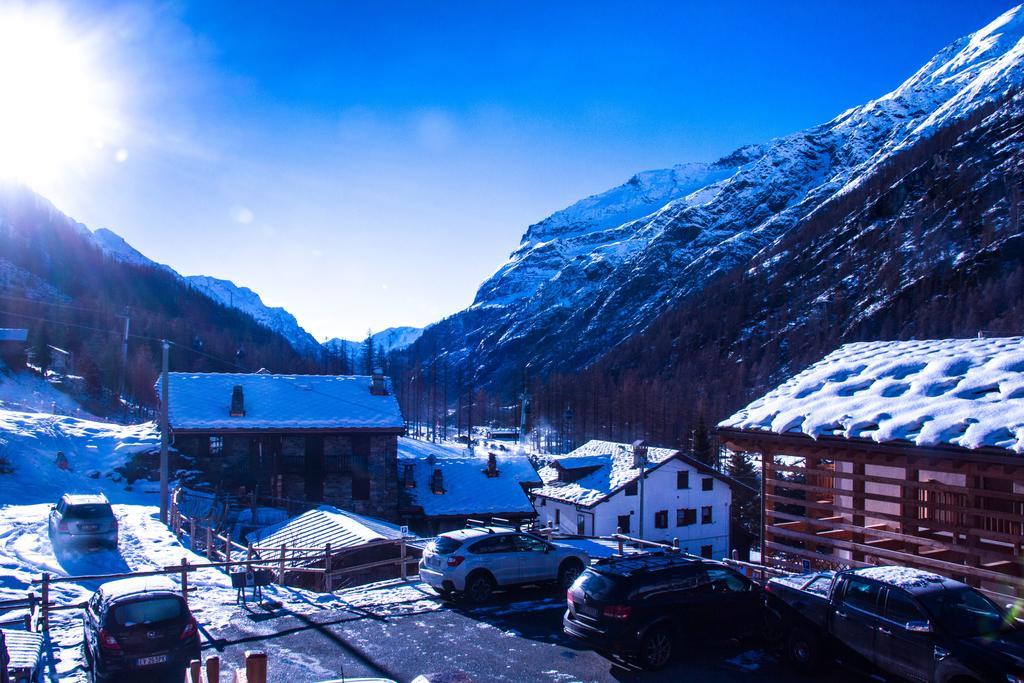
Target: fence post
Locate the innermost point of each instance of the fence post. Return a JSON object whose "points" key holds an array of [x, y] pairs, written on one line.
{"points": [[255, 667], [30, 618], [327, 569], [549, 531], [195, 671], [404, 566], [250, 552], [184, 579], [209, 543], [280, 572], [45, 607], [213, 669], [618, 533]]}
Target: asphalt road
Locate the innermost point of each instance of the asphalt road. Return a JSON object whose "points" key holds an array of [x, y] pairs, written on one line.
{"points": [[516, 638]]}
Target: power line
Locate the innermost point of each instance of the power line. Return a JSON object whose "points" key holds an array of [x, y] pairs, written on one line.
{"points": [[233, 364]]}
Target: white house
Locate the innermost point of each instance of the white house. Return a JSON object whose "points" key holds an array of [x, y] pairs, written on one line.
{"points": [[595, 490]]}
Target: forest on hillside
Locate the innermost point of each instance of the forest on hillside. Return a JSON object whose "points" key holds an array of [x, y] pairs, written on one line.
{"points": [[56, 282]]}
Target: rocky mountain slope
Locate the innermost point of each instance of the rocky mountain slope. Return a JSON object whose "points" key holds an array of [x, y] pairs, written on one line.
{"points": [[591, 276]]}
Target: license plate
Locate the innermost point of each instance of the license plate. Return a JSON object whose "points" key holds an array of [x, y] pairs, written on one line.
{"points": [[150, 661], [434, 561], [88, 527], [586, 610]]}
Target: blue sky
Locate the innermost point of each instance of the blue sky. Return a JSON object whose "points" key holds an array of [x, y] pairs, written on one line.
{"points": [[369, 164]]}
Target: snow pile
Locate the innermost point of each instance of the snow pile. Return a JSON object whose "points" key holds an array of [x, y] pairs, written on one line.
{"points": [[612, 468], [467, 488], [956, 392], [203, 401], [901, 577]]}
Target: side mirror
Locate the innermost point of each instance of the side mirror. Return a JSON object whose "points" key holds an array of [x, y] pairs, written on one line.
{"points": [[919, 626]]}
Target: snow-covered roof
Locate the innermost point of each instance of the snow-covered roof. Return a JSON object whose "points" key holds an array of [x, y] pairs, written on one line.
{"points": [[14, 334], [326, 524], [200, 401], [468, 490], [956, 392], [612, 465]]}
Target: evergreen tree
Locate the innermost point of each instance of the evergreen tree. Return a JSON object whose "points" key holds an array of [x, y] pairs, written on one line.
{"points": [[369, 353], [746, 502], [703, 449]]}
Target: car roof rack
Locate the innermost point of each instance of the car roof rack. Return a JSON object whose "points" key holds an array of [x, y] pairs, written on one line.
{"points": [[638, 563]]}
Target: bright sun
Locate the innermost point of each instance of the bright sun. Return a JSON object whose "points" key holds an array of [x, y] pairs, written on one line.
{"points": [[57, 114]]}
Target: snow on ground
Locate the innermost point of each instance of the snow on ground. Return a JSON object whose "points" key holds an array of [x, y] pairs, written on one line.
{"points": [[94, 450], [28, 391], [30, 441]]}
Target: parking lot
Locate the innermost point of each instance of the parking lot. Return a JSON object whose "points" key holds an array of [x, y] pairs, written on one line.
{"points": [[401, 631]]}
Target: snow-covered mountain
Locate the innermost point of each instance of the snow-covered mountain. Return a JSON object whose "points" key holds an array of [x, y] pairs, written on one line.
{"points": [[248, 301], [224, 292], [596, 273], [387, 340]]}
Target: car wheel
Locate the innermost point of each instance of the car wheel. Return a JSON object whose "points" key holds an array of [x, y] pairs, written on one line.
{"points": [[656, 648], [568, 572], [803, 649], [479, 588]]}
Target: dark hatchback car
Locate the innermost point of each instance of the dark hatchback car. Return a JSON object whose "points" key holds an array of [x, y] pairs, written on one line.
{"points": [[643, 606], [138, 629]]}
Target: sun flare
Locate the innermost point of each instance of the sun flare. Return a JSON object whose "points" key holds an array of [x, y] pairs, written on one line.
{"points": [[57, 114]]}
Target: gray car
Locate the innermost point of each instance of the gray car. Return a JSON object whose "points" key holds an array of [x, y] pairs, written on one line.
{"points": [[475, 561], [80, 519]]}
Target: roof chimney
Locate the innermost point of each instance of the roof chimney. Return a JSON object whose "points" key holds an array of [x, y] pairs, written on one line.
{"points": [[492, 465], [237, 402], [378, 387], [437, 481]]}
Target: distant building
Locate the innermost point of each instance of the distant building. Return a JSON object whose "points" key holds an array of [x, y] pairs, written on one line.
{"points": [[595, 490], [903, 453], [443, 486], [61, 361], [13, 346], [312, 438]]}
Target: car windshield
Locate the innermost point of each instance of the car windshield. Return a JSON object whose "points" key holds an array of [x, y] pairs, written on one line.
{"points": [[963, 612], [147, 611], [597, 586], [442, 545], [92, 511]]}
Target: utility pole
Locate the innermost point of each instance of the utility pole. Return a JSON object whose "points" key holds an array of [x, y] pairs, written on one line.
{"points": [[124, 352], [640, 460], [164, 428]]}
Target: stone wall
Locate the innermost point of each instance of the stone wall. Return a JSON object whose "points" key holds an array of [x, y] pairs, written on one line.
{"points": [[359, 472]]}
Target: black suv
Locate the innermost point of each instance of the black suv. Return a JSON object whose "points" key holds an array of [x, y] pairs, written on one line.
{"points": [[135, 627], [639, 606]]}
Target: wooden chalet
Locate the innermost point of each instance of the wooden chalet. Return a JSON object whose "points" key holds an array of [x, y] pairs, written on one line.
{"points": [[311, 438], [896, 453]]}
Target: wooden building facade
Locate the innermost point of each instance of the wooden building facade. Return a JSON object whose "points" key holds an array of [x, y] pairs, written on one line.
{"points": [[896, 453], [312, 438]]}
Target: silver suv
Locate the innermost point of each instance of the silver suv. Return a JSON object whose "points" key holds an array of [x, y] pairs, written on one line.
{"points": [[86, 519], [475, 561]]}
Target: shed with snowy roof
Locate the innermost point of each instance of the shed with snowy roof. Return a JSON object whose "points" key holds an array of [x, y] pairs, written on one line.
{"points": [[898, 452], [443, 486], [310, 438], [363, 549], [596, 490]]}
